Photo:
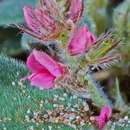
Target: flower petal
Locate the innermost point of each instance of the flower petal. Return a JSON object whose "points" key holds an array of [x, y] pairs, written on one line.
{"points": [[43, 80], [104, 117], [101, 123], [46, 61], [30, 19], [51, 6], [76, 9], [81, 41], [33, 64], [46, 21], [106, 113]]}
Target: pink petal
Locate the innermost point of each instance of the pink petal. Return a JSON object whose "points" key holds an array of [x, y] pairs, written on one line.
{"points": [[33, 64], [101, 123], [106, 112], [46, 61], [75, 10], [104, 117], [51, 7], [90, 40], [43, 80], [45, 20], [81, 41], [30, 19]]}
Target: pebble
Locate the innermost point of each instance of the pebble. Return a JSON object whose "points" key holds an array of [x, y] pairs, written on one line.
{"points": [[72, 109], [55, 105], [31, 128], [4, 128], [69, 104], [29, 96], [61, 99], [27, 118], [65, 95], [74, 97], [126, 118], [28, 111], [72, 117], [50, 127], [45, 116], [13, 83], [17, 73], [15, 98]]}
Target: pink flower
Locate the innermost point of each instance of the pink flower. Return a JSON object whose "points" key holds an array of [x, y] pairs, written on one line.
{"points": [[39, 22], [51, 6], [75, 10], [44, 70], [104, 117], [46, 22], [81, 41]]}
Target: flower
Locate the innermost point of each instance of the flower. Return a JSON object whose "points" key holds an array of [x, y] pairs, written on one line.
{"points": [[75, 10], [44, 70], [51, 6], [40, 23], [104, 117], [45, 22], [81, 41]]}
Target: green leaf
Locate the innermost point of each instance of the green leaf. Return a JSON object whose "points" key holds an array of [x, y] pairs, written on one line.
{"points": [[21, 101], [119, 100], [96, 92], [10, 41]]}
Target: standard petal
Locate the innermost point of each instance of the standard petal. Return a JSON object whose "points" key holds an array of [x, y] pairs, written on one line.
{"points": [[81, 41], [30, 19], [76, 9], [33, 64], [42, 80], [101, 123], [104, 117], [46, 61], [106, 113], [51, 6], [91, 39], [77, 44], [45, 19]]}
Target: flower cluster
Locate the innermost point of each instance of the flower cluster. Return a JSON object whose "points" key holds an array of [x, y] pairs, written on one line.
{"points": [[45, 22], [42, 22]]}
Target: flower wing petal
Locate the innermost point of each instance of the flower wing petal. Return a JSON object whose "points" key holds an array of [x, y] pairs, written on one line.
{"points": [[43, 80], [76, 10], [31, 19], [33, 64], [81, 41], [46, 61]]}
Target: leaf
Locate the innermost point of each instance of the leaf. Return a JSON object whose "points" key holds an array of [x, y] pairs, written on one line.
{"points": [[10, 41], [97, 94], [119, 100], [21, 101], [11, 11]]}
